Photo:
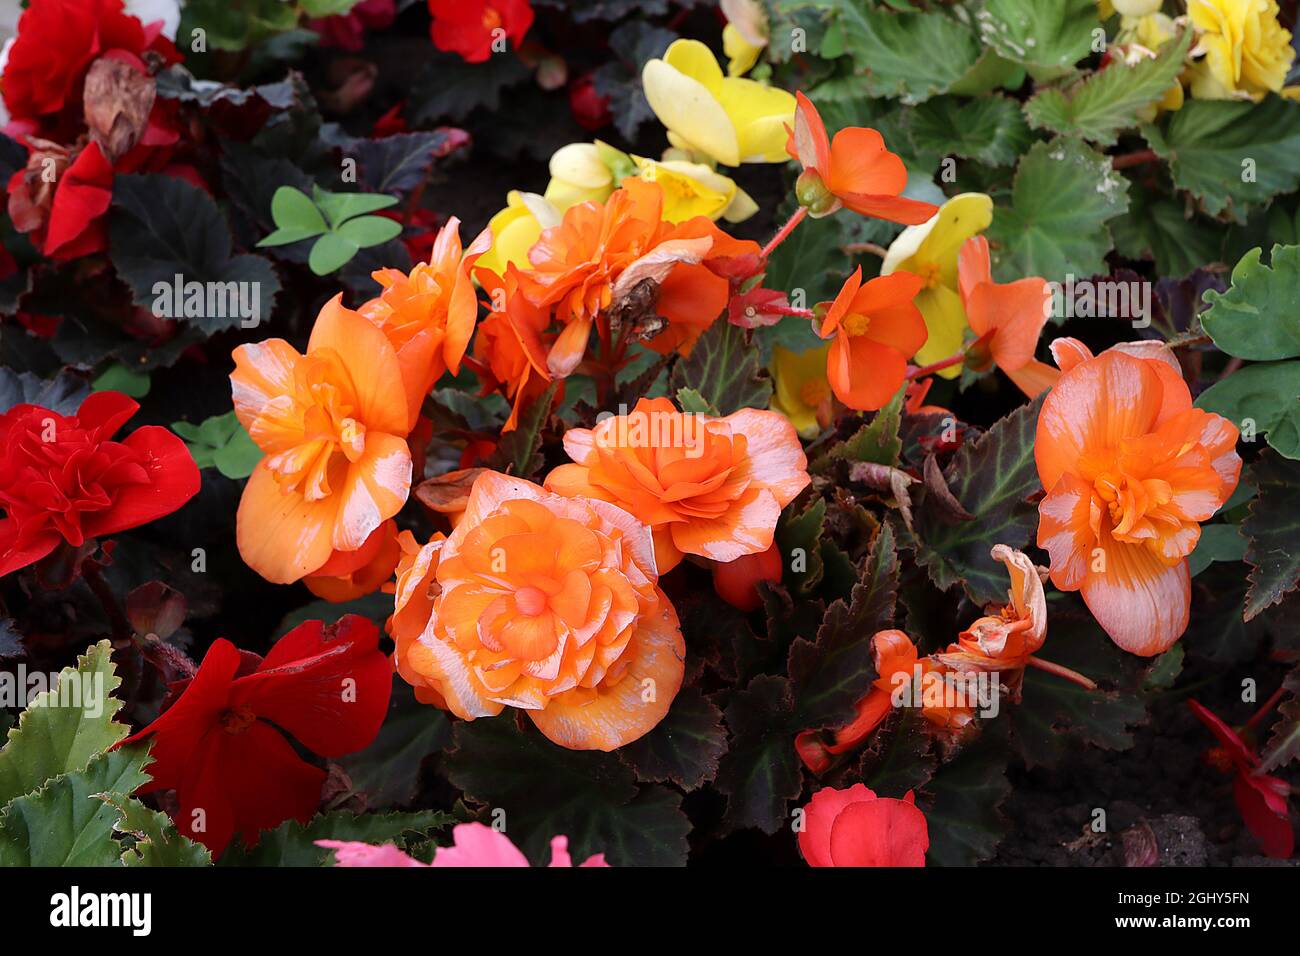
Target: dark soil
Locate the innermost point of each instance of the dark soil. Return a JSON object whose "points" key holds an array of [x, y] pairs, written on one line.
{"points": [[1162, 801]]}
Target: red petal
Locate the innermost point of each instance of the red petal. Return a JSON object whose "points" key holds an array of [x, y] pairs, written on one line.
{"points": [[329, 689], [173, 480], [12, 559], [1270, 828], [245, 783], [881, 832], [106, 412], [1242, 755], [83, 195]]}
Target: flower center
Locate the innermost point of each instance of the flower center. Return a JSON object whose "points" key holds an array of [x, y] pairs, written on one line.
{"points": [[530, 601], [235, 720], [491, 18], [1130, 500], [929, 271], [856, 324]]}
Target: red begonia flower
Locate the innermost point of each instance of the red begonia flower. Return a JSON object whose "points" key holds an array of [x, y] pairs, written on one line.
{"points": [[220, 745], [854, 827], [56, 43], [64, 478], [1261, 799], [467, 26]]}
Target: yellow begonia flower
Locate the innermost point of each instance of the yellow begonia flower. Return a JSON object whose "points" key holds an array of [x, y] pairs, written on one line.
{"points": [[693, 189], [515, 229], [930, 251], [741, 54], [1244, 51], [728, 119], [1105, 9], [578, 174], [801, 390]]}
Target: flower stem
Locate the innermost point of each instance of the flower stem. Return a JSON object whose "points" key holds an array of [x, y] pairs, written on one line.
{"points": [[784, 232], [1137, 158], [1265, 708], [1074, 677], [937, 366], [788, 310], [94, 578]]}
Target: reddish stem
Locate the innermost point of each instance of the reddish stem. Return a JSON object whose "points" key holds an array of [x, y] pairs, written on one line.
{"points": [[950, 361], [789, 310], [784, 232], [1138, 158], [1074, 677], [1265, 708]]}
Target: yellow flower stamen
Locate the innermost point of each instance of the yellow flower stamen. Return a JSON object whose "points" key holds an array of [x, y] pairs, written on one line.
{"points": [[856, 324]]}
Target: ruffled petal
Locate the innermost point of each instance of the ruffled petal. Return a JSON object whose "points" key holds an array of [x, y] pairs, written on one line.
{"points": [[618, 715]]}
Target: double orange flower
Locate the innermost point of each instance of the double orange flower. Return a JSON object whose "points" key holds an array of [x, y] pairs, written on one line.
{"points": [[543, 603], [1130, 469], [333, 425]]}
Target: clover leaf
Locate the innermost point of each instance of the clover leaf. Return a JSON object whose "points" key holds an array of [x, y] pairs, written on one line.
{"points": [[340, 223]]}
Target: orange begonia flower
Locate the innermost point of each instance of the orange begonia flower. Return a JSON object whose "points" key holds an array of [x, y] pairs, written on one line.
{"points": [[894, 653], [876, 329], [854, 170], [509, 349], [332, 424], [897, 667], [600, 253], [348, 575], [429, 314], [544, 603], [1007, 318], [708, 486], [1005, 640], [1130, 469]]}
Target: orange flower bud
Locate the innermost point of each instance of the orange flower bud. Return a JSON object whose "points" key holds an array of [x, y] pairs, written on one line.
{"points": [[737, 581]]}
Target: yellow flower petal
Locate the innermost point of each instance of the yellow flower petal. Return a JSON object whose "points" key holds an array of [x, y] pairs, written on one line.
{"points": [[695, 120], [728, 119], [760, 114], [580, 164], [741, 208], [689, 189], [798, 377], [692, 58], [945, 321], [514, 231], [741, 54], [930, 249], [1243, 50]]}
